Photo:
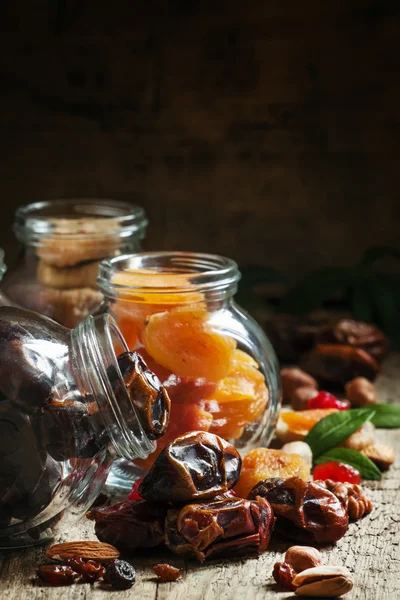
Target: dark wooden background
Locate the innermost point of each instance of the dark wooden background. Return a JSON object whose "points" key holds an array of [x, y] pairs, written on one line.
{"points": [[266, 130]]}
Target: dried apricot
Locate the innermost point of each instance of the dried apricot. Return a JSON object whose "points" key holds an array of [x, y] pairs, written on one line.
{"points": [[294, 425], [183, 341], [239, 399], [264, 463], [183, 418], [147, 293]]}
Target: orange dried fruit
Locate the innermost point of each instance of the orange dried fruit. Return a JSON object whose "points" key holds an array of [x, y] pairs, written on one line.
{"points": [[183, 341], [239, 399], [294, 425], [264, 463], [143, 293]]}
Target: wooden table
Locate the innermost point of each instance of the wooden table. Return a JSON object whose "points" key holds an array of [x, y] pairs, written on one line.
{"points": [[370, 550]]}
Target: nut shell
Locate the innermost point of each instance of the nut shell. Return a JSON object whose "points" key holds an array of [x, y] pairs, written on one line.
{"points": [[85, 549], [323, 582]]}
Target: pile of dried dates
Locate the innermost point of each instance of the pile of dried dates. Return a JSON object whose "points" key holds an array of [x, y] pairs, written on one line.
{"points": [[188, 505], [334, 352]]}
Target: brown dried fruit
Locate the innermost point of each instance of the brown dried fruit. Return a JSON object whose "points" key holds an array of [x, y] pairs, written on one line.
{"points": [[56, 574], [304, 510], [89, 570], [292, 336], [223, 527], [86, 549], [357, 334], [361, 392], [284, 574], [300, 397], [351, 497], [303, 557], [339, 364], [294, 378], [381, 454], [166, 572]]}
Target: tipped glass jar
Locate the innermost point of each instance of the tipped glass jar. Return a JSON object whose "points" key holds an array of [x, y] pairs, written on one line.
{"points": [[177, 310], [63, 243], [66, 411]]}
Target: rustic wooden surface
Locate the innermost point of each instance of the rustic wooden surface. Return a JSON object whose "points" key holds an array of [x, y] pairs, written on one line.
{"points": [[370, 550], [266, 131]]}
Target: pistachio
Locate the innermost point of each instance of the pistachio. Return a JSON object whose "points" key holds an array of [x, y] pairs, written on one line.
{"points": [[303, 557], [300, 448], [323, 582], [362, 438], [381, 454]]}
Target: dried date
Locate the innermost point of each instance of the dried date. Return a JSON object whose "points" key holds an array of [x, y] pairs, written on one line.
{"points": [[292, 336], [305, 511], [357, 334], [148, 396], [338, 364], [226, 528], [195, 466], [130, 525]]}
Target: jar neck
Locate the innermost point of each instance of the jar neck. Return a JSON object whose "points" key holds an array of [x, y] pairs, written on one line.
{"points": [[95, 344], [170, 278], [72, 220]]}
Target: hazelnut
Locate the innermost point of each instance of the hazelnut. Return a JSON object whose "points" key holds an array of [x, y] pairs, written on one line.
{"points": [[299, 397], [300, 448], [303, 557], [361, 392], [293, 378]]}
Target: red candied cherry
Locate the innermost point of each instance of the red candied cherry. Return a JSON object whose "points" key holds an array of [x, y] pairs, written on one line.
{"points": [[327, 400], [337, 472], [134, 496]]}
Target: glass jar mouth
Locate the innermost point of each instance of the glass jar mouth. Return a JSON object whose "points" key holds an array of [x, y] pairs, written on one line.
{"points": [[74, 218], [166, 272]]}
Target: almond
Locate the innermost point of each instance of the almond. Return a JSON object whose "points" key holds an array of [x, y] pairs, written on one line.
{"points": [[84, 549], [380, 454]]}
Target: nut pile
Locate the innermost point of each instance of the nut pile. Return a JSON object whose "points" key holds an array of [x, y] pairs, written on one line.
{"points": [[303, 572]]}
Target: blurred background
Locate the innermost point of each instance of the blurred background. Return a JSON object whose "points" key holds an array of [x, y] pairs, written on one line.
{"points": [[266, 131]]}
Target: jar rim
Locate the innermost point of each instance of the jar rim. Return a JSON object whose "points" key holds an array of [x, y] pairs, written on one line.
{"points": [[74, 218], [187, 270]]}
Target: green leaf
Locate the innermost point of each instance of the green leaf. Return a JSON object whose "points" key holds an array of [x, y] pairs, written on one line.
{"points": [[387, 416], [315, 288], [336, 428], [367, 469], [375, 253]]}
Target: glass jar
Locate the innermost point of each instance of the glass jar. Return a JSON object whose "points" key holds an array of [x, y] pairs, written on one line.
{"points": [[63, 243], [65, 414], [177, 310]]}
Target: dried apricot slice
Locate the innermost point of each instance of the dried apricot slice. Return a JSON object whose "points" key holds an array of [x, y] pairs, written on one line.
{"points": [[294, 425], [264, 463], [183, 341], [152, 292], [239, 399], [183, 418]]}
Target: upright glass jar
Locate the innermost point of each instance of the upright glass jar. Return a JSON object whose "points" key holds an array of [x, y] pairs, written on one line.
{"points": [[177, 310], [63, 243], [65, 414]]}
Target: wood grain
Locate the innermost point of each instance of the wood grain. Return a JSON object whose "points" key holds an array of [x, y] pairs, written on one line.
{"points": [[370, 549]]}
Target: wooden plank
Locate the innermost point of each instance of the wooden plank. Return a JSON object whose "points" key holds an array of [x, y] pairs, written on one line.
{"points": [[370, 550]]}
